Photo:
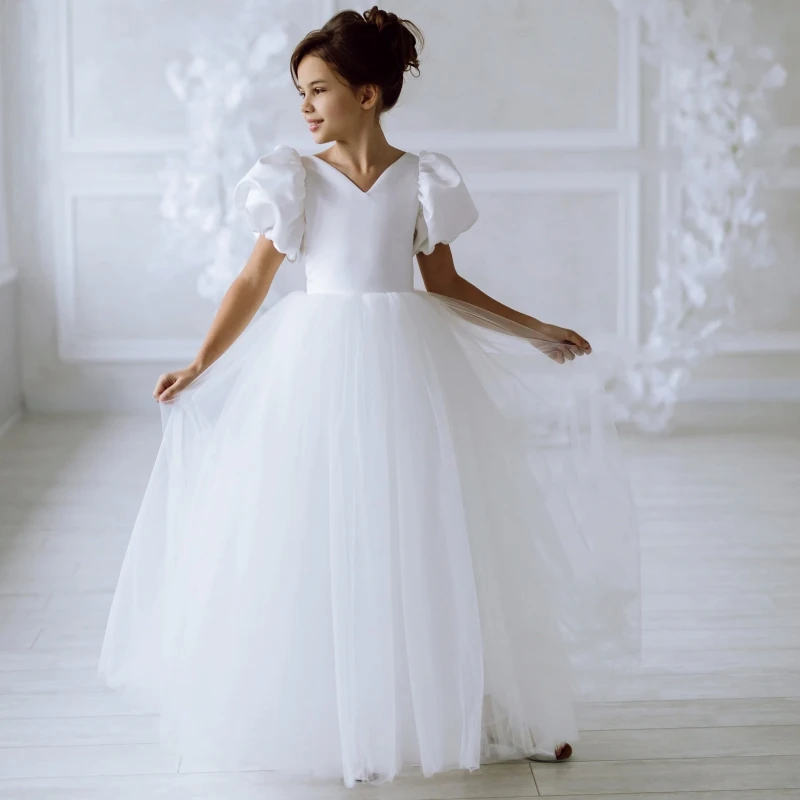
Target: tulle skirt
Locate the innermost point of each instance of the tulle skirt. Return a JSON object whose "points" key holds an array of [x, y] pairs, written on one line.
{"points": [[382, 530]]}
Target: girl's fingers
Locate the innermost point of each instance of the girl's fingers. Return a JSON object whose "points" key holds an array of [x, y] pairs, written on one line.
{"points": [[161, 385], [173, 390], [178, 386], [169, 391], [576, 339]]}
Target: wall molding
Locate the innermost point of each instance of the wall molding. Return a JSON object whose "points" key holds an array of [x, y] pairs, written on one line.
{"points": [[741, 390], [72, 347], [627, 135], [71, 144], [626, 185], [624, 136], [761, 342]]}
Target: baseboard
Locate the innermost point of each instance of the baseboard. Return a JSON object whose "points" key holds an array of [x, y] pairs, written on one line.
{"points": [[10, 423], [8, 276], [742, 390]]}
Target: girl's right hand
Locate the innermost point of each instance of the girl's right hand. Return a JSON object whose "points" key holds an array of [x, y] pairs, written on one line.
{"points": [[170, 383]]}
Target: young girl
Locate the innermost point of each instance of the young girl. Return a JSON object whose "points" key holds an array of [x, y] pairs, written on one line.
{"points": [[385, 527]]}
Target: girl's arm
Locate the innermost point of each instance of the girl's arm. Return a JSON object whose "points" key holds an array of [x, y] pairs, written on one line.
{"points": [[239, 305], [439, 275]]}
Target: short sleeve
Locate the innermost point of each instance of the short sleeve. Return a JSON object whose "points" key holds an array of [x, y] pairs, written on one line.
{"points": [[446, 208], [272, 197]]}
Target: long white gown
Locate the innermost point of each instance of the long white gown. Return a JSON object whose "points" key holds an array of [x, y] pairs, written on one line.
{"points": [[384, 529]]}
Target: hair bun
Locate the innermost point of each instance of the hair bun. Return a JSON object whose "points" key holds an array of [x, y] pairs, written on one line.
{"points": [[399, 41], [380, 19]]}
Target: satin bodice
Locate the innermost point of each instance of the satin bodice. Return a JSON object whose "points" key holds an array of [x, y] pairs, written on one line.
{"points": [[358, 241], [349, 240]]}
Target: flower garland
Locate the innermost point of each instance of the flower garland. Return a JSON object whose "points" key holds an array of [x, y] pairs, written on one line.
{"points": [[716, 81], [222, 85]]}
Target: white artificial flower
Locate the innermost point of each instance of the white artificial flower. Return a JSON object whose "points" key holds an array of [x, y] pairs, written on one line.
{"points": [[716, 81]]}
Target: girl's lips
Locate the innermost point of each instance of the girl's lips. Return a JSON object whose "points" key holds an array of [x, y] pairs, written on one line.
{"points": [[314, 125]]}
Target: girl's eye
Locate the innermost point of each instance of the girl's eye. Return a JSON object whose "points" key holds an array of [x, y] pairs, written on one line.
{"points": [[302, 94]]}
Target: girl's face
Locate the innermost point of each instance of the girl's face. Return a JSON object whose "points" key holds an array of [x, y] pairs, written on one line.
{"points": [[333, 110]]}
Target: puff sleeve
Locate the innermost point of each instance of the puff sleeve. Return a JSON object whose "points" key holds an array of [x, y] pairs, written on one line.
{"points": [[272, 198], [446, 208]]}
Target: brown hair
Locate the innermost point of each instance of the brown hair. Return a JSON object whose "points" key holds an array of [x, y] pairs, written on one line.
{"points": [[374, 47]]}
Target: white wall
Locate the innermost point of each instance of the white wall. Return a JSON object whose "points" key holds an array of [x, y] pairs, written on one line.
{"points": [[10, 377], [545, 106]]}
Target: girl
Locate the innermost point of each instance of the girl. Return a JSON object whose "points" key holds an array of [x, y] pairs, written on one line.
{"points": [[385, 526]]}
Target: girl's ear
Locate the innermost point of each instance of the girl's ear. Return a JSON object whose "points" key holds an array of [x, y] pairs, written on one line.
{"points": [[369, 95]]}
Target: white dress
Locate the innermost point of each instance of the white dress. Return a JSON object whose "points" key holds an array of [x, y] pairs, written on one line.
{"points": [[383, 529]]}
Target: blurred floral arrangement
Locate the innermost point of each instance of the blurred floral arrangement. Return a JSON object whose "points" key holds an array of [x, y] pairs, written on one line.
{"points": [[221, 83], [716, 81]]}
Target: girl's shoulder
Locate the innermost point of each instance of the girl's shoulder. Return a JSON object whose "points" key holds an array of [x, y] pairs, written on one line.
{"points": [[271, 196]]}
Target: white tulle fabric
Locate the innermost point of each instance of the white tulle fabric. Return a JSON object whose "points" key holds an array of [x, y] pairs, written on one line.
{"points": [[271, 196], [383, 529]]}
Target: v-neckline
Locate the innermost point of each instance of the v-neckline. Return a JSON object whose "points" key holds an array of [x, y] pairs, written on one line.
{"points": [[353, 183]]}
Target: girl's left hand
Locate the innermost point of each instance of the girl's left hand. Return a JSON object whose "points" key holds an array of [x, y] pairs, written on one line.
{"points": [[566, 343], [171, 383]]}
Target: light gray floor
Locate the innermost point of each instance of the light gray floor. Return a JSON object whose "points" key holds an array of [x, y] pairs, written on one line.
{"points": [[715, 715]]}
